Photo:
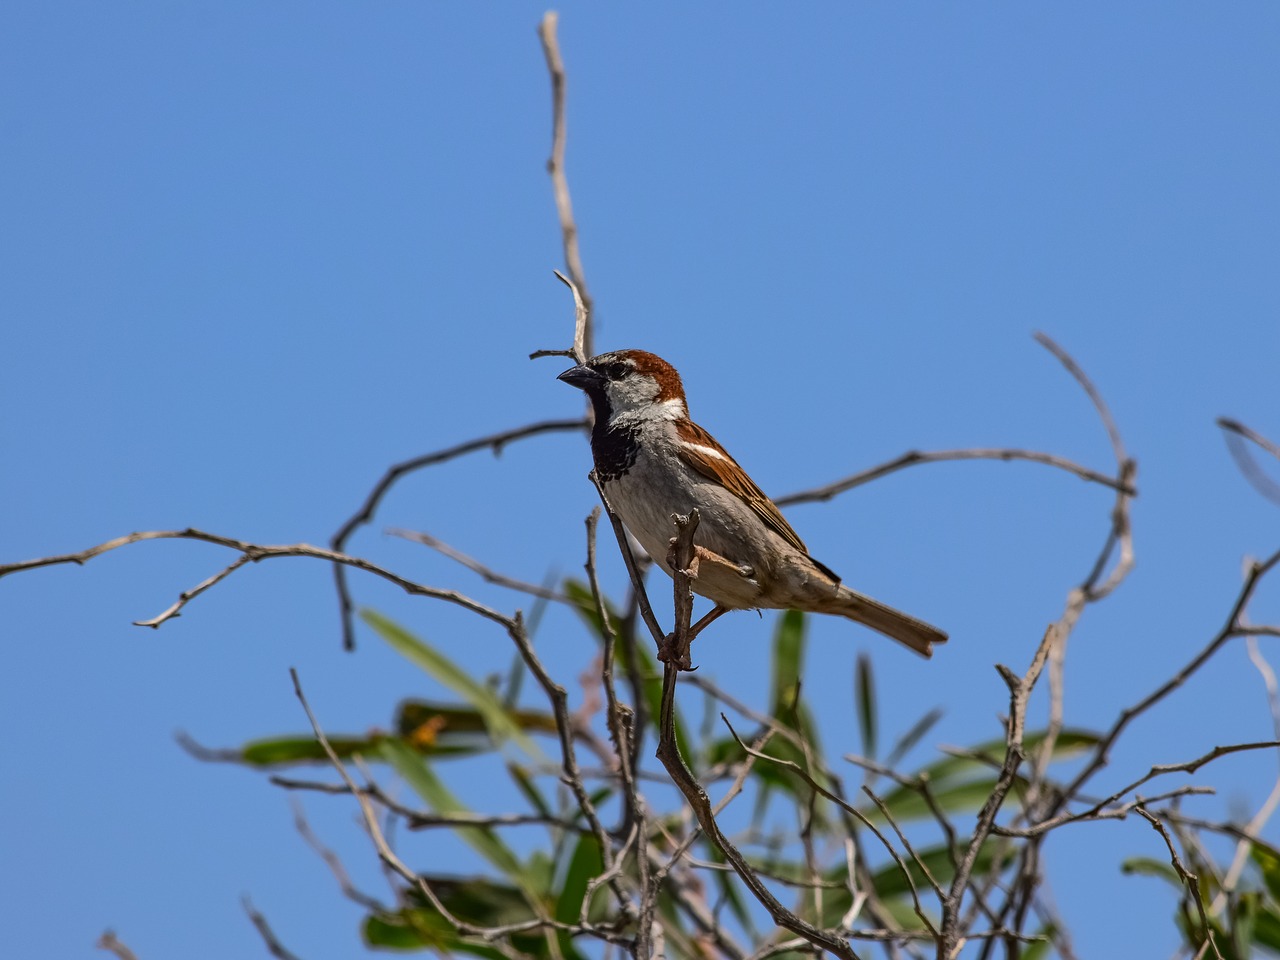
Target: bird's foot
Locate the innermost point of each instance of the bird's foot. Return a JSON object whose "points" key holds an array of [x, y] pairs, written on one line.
{"points": [[670, 651]]}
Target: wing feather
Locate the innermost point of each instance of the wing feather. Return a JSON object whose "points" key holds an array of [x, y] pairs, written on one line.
{"points": [[705, 455]]}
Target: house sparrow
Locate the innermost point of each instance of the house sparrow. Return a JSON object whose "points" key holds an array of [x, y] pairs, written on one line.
{"points": [[653, 461]]}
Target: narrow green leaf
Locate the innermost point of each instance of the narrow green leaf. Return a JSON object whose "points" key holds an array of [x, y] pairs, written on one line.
{"points": [[289, 751], [524, 782], [1266, 927], [1269, 866], [1150, 867], [788, 657], [889, 881], [1040, 949], [913, 736], [422, 779], [1070, 742], [501, 724], [413, 715], [395, 931], [907, 804], [1244, 922], [584, 602], [282, 751], [865, 698], [585, 863]]}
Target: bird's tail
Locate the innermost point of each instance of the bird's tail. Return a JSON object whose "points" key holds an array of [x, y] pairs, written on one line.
{"points": [[895, 624]]}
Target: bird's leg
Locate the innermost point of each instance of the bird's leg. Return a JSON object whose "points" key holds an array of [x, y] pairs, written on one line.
{"points": [[706, 620], [683, 558]]}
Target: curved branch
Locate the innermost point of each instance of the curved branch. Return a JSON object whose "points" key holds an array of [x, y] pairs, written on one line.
{"points": [[494, 442], [253, 552], [913, 457]]}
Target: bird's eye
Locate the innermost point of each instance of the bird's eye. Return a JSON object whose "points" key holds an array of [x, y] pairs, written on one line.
{"points": [[616, 370]]}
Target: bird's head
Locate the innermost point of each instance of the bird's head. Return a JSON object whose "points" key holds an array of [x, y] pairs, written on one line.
{"points": [[630, 385]]}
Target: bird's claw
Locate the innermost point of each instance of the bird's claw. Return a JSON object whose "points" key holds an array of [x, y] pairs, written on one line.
{"points": [[669, 651]]}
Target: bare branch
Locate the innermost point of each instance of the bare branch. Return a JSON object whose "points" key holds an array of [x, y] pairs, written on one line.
{"points": [[111, 943], [331, 860], [1256, 572], [256, 552], [1190, 879], [633, 570], [274, 946], [1117, 445], [471, 563], [621, 722], [914, 457], [393, 861], [1236, 434], [577, 281], [494, 442]]}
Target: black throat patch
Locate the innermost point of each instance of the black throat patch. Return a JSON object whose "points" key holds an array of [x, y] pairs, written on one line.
{"points": [[614, 450]]}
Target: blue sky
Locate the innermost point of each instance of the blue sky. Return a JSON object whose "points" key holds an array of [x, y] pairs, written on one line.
{"points": [[255, 253]]}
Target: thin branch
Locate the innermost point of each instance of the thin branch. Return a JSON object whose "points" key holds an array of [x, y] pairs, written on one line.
{"points": [[488, 574], [111, 943], [577, 281], [853, 811], [1259, 820], [1257, 570], [332, 861], [1190, 879], [1019, 692], [255, 552], [633, 570], [914, 457], [682, 776], [621, 722], [494, 442], [1117, 445], [1236, 434], [393, 861], [572, 777], [273, 944], [906, 844]]}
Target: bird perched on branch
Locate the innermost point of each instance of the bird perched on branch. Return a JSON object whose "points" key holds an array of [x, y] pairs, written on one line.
{"points": [[653, 462]]}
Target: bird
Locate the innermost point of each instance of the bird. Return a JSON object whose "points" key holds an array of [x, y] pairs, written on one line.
{"points": [[653, 462]]}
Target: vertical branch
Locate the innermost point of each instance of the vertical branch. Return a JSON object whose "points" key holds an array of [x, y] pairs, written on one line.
{"points": [[555, 167], [622, 729], [669, 754]]}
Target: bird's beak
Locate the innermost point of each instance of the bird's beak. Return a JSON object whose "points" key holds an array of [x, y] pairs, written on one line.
{"points": [[582, 377]]}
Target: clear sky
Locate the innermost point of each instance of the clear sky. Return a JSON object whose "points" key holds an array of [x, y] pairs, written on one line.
{"points": [[254, 253]]}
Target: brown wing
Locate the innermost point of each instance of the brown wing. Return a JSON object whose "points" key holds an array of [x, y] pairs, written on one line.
{"points": [[714, 463]]}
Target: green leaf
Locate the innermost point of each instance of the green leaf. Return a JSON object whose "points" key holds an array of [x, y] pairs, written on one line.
{"points": [[422, 779], [908, 804], [584, 602], [889, 881], [1266, 927], [398, 931], [525, 783], [1040, 949], [1269, 866], [585, 863], [913, 736], [414, 715], [788, 657], [288, 751], [1150, 867], [282, 751], [475, 900], [1243, 923], [498, 720], [864, 697]]}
